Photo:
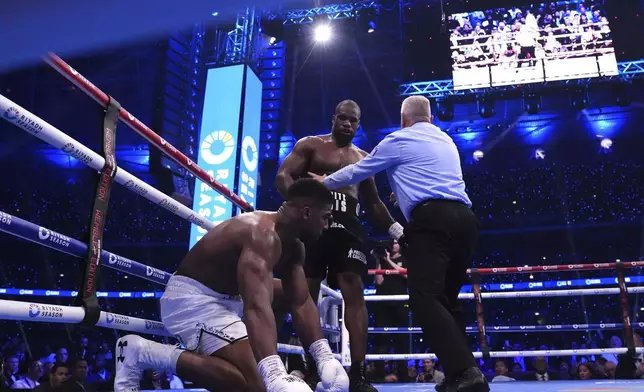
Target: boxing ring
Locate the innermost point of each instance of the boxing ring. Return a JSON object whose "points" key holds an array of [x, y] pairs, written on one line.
{"points": [[329, 305]]}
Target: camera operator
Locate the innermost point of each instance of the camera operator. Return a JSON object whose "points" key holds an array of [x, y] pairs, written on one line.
{"points": [[390, 313]]}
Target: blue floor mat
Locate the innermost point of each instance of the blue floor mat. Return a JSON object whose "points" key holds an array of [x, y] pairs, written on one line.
{"points": [[534, 386]]}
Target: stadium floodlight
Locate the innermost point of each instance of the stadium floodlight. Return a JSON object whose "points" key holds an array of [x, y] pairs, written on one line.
{"points": [[322, 32]]}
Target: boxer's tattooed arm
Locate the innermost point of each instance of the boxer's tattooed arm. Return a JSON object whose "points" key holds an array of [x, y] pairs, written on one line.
{"points": [[306, 318], [294, 166], [255, 278]]}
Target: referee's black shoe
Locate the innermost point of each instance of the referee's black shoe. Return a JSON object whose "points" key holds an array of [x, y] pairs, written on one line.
{"points": [[471, 380], [442, 386]]}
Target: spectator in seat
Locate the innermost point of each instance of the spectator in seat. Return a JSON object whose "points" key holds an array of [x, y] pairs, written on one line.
{"points": [[430, 374], [56, 379], [30, 381], [83, 350], [412, 372], [62, 355], [541, 372], [584, 372], [78, 381], [11, 365], [99, 372], [501, 371], [610, 368]]}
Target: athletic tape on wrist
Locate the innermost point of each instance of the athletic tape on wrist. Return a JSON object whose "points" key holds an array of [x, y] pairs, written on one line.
{"points": [[321, 351], [271, 367], [396, 231]]}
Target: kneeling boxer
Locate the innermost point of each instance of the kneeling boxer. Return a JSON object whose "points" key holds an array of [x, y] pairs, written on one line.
{"points": [[227, 276]]}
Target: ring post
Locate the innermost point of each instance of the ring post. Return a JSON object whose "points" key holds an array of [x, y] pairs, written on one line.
{"points": [[623, 300], [345, 353], [90, 268], [480, 314]]}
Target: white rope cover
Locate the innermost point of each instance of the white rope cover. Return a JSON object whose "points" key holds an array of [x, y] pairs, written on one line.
{"points": [[519, 294], [509, 354], [46, 132]]}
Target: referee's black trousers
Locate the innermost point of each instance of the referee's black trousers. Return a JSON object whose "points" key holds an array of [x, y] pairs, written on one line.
{"points": [[441, 236]]}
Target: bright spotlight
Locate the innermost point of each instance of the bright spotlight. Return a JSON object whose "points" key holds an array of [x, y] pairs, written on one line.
{"points": [[478, 155], [322, 32], [272, 40], [606, 143], [539, 154], [372, 27]]}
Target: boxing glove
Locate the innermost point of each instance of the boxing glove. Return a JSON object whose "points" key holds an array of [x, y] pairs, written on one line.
{"points": [[333, 377], [276, 379]]}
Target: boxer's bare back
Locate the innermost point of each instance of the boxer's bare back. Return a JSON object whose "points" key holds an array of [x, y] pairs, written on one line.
{"points": [[213, 261]]}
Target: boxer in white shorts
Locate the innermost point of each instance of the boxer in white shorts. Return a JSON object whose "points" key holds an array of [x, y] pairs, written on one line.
{"points": [[218, 320], [227, 277]]}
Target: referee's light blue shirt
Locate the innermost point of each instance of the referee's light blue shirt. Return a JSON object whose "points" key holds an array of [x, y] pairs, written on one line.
{"points": [[422, 163]]}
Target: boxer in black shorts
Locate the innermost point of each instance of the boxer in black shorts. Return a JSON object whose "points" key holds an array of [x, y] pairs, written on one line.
{"points": [[338, 254], [339, 249]]}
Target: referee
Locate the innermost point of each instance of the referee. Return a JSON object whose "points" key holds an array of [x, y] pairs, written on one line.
{"points": [[424, 171]]}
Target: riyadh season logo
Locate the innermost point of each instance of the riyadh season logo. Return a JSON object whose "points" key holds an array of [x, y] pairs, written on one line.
{"points": [[112, 318], [49, 311], [156, 273], [217, 147], [11, 114], [250, 155], [51, 236], [119, 261], [23, 121], [154, 325]]}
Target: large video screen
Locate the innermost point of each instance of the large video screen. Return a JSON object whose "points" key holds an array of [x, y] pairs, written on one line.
{"points": [[218, 144], [530, 44], [248, 167]]}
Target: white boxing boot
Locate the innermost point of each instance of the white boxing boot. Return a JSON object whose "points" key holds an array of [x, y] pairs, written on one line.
{"points": [[135, 354]]}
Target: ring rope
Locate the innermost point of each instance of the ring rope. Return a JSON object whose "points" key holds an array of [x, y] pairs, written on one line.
{"points": [[45, 313], [290, 349], [526, 269], [46, 132], [330, 292], [509, 354], [137, 126], [40, 235], [517, 328], [518, 294]]}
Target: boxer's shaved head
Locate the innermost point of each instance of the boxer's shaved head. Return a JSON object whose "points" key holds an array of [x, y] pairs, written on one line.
{"points": [[350, 103]]}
